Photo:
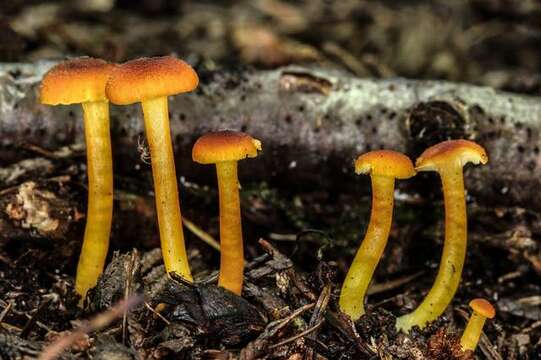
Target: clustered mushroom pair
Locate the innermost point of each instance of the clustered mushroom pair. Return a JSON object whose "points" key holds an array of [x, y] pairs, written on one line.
{"points": [[93, 83], [384, 166]]}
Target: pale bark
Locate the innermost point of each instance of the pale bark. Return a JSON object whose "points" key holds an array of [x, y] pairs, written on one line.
{"points": [[312, 123]]}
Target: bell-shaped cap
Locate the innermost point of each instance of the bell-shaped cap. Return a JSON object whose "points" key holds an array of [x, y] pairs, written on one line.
{"points": [[385, 163], [224, 145], [148, 78], [451, 152], [75, 81], [483, 308]]}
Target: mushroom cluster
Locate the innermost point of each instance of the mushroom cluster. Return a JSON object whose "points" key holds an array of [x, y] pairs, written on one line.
{"points": [[150, 81]]}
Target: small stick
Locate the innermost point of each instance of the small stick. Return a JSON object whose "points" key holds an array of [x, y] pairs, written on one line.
{"points": [[53, 350]]}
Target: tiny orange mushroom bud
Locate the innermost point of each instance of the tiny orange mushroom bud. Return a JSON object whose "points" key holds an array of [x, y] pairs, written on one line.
{"points": [[225, 149], [482, 310], [448, 159], [82, 81], [383, 166], [150, 81]]}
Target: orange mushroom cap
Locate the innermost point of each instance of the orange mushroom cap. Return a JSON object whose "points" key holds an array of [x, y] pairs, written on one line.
{"points": [[463, 151], [75, 81], [147, 78], [483, 307], [385, 163], [224, 145]]}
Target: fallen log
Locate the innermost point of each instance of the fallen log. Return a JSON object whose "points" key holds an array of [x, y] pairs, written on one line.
{"points": [[312, 123]]}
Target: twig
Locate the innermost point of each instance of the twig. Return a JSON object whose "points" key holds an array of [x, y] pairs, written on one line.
{"points": [[5, 311], [389, 285], [99, 322], [318, 315], [129, 268], [32, 321], [201, 234], [298, 336], [147, 305]]}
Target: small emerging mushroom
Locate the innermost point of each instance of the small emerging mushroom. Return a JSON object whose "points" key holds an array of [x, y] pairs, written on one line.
{"points": [[225, 148], [150, 81], [448, 159], [482, 310], [82, 81], [383, 166]]}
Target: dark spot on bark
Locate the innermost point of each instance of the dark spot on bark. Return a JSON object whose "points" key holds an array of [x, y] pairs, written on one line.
{"points": [[242, 97], [432, 122], [301, 108], [182, 116], [529, 133], [477, 110], [359, 121], [374, 130], [243, 128], [15, 73], [288, 118], [536, 150], [520, 149], [392, 115], [519, 126]]}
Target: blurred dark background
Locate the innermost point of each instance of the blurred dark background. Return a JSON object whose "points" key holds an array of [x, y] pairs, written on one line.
{"points": [[487, 42]]}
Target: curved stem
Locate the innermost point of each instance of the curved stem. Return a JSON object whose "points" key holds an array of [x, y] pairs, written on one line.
{"points": [[472, 332], [100, 196], [231, 245], [165, 186], [362, 268], [454, 253]]}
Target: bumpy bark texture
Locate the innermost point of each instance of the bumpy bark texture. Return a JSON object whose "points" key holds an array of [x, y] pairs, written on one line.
{"points": [[312, 123]]}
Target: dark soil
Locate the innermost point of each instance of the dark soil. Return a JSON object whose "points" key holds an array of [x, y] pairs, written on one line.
{"points": [[289, 305]]}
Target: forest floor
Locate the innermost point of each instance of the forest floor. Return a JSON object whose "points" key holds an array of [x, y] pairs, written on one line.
{"points": [[298, 243]]}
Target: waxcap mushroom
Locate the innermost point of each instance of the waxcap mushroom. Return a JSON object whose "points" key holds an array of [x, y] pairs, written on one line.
{"points": [[385, 163], [147, 78], [225, 145], [76, 81], [483, 307], [461, 150]]}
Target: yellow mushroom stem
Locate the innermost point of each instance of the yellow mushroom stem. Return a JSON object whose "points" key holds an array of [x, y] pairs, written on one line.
{"points": [[472, 332], [100, 195], [454, 252], [158, 134], [231, 244], [362, 268]]}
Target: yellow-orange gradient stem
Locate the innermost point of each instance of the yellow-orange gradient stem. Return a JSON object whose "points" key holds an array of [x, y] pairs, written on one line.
{"points": [[454, 252], [158, 134], [362, 269], [473, 331], [100, 195], [231, 245]]}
